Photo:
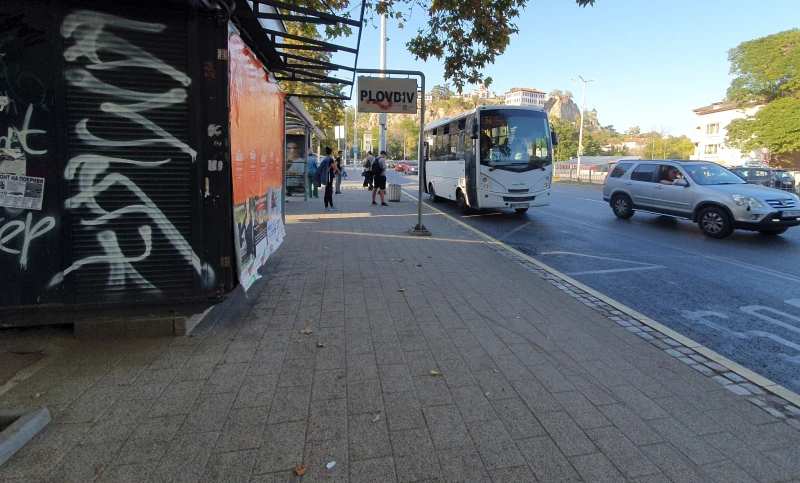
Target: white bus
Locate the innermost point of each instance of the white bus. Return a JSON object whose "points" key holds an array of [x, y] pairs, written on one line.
{"points": [[490, 157]]}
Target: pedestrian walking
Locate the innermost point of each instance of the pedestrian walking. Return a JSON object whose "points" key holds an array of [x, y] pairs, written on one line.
{"points": [[339, 173], [312, 187], [379, 178], [368, 170], [328, 170]]}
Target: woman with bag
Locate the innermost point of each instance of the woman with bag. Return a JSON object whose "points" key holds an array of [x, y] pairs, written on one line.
{"points": [[367, 174]]}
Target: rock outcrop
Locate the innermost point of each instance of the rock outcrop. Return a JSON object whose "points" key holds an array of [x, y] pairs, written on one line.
{"points": [[561, 107]]}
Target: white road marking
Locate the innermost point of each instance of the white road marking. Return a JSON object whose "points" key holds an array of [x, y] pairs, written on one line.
{"points": [[748, 266], [508, 234], [645, 266]]}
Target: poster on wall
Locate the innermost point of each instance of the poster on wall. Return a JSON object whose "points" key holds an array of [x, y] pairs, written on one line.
{"points": [[21, 191], [295, 162], [257, 147]]}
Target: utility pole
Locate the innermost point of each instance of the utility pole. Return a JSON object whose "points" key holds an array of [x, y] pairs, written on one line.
{"points": [[344, 133], [580, 132], [382, 139]]}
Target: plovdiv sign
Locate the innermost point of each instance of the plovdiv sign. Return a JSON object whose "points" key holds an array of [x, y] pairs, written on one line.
{"points": [[376, 94]]}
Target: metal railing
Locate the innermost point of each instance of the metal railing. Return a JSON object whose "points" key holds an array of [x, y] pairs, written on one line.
{"points": [[586, 175]]}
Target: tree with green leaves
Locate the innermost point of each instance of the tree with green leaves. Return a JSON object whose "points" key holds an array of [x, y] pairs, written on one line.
{"points": [[567, 139], [766, 76]]}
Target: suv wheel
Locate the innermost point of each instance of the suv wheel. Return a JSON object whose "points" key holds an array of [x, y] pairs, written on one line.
{"points": [[714, 222], [621, 205], [774, 231]]}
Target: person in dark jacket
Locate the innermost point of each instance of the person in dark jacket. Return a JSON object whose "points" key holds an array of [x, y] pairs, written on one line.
{"points": [[368, 170], [328, 170]]}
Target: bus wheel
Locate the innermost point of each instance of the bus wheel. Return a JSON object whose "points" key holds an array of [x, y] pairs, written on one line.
{"points": [[520, 210], [434, 198], [461, 200]]}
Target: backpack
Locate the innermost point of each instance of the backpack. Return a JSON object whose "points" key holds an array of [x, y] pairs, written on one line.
{"points": [[376, 167], [367, 164]]}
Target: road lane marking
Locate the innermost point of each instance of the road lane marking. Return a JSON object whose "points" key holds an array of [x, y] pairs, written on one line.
{"points": [[645, 266], [579, 198], [735, 367], [614, 270], [748, 266], [508, 234]]}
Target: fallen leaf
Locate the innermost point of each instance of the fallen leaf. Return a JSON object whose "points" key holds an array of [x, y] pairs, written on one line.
{"points": [[495, 370], [330, 465], [376, 418], [435, 373], [320, 344], [99, 469], [300, 470], [417, 264], [397, 259], [36, 396], [401, 290], [311, 454], [486, 394], [305, 331], [221, 363]]}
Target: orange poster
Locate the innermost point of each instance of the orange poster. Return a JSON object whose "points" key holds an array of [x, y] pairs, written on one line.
{"points": [[257, 139]]}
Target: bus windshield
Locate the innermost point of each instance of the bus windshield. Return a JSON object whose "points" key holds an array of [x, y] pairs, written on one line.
{"points": [[514, 139]]}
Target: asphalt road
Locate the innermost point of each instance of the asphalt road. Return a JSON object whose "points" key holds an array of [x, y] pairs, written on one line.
{"points": [[739, 296]]}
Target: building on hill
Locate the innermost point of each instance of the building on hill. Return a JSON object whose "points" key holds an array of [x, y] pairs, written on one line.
{"points": [[711, 133], [525, 96]]}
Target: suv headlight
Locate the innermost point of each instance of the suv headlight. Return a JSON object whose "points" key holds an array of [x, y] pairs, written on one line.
{"points": [[742, 200]]}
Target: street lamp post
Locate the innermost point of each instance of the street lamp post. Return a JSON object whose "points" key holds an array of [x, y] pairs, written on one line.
{"points": [[580, 132]]}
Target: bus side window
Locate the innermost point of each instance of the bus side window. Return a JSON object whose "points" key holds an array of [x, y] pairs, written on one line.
{"points": [[460, 148]]}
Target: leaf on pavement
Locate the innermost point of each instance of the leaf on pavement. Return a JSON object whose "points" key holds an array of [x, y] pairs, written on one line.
{"points": [[486, 394], [221, 363], [305, 331], [320, 344], [36, 396], [496, 371], [300, 470], [99, 469], [376, 418], [417, 264], [435, 373], [401, 290]]}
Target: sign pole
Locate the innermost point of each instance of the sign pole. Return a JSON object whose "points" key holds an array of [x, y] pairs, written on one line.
{"points": [[418, 229]]}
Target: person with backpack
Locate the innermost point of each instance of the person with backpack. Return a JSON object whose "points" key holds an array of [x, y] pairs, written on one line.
{"points": [[368, 170], [327, 171], [379, 178], [339, 173], [312, 188]]}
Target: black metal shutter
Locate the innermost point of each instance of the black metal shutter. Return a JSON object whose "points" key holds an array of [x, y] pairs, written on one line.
{"points": [[130, 205]]}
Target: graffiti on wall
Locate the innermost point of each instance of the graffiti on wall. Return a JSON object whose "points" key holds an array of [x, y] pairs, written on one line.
{"points": [[96, 49], [23, 113]]}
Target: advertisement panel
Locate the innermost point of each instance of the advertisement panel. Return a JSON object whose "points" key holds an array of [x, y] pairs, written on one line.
{"points": [[295, 162], [257, 134], [377, 94]]}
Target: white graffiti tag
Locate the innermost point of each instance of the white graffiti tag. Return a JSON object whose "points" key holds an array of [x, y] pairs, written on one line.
{"points": [[99, 175], [13, 228]]}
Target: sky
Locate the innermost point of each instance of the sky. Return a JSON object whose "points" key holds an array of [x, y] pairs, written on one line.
{"points": [[652, 61]]}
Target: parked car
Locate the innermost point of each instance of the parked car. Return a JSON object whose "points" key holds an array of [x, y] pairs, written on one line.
{"points": [[390, 164], [399, 166], [715, 198], [411, 168], [774, 178]]}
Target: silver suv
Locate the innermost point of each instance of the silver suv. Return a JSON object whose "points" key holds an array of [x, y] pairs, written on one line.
{"points": [[706, 193]]}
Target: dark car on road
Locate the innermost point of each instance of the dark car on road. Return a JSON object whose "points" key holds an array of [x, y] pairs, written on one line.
{"points": [[773, 178]]}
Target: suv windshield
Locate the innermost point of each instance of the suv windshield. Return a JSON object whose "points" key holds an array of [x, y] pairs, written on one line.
{"points": [[711, 174], [783, 175], [515, 139]]}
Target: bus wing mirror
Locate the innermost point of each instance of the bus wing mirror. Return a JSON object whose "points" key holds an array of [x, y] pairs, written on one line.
{"points": [[474, 129], [554, 137], [426, 148]]}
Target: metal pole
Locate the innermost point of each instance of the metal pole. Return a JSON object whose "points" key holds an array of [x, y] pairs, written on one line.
{"points": [[382, 139], [306, 154], [580, 134], [344, 128]]}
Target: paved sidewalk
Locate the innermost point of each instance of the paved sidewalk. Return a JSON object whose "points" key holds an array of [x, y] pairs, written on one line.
{"points": [[530, 384]]}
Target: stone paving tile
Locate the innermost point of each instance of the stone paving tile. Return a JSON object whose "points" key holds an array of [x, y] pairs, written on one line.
{"points": [[373, 470], [296, 372], [256, 391], [126, 473], [361, 366], [319, 454], [546, 460], [290, 404], [420, 363], [83, 463], [462, 465], [403, 411], [447, 429], [727, 472], [186, 458], [686, 441], [581, 410], [749, 458], [674, 464], [150, 440], [493, 382], [328, 420], [517, 418], [473, 403], [414, 455], [395, 378], [432, 391], [329, 385], [281, 448], [179, 398], [229, 467], [364, 397], [367, 439], [225, 378], [538, 399], [243, 430], [566, 434], [631, 462], [596, 468], [494, 444]]}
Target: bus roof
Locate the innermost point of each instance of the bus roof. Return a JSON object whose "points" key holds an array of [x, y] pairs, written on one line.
{"points": [[447, 120]]}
